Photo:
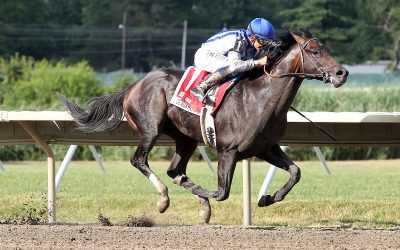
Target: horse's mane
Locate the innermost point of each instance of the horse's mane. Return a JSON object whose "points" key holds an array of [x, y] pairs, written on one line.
{"points": [[277, 49], [284, 42]]}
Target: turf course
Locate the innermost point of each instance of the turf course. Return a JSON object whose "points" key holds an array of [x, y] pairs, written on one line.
{"points": [[358, 194]]}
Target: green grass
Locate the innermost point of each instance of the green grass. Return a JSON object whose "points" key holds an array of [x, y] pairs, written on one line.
{"points": [[358, 194]]}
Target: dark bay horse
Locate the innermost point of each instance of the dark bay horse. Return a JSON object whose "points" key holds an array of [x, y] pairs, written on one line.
{"points": [[249, 123]]}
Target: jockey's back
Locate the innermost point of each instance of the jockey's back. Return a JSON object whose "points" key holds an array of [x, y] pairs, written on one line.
{"points": [[225, 41]]}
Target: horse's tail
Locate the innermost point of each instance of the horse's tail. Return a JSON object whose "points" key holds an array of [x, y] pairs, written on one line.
{"points": [[103, 113]]}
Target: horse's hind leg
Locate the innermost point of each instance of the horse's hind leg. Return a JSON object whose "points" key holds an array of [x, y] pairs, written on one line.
{"points": [[139, 160], [226, 168], [278, 158], [185, 148]]}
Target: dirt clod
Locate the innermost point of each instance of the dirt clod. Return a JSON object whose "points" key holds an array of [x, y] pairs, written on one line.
{"points": [[138, 222], [104, 221]]}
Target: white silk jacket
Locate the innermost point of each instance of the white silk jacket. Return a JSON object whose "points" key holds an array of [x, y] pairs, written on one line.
{"points": [[230, 49]]}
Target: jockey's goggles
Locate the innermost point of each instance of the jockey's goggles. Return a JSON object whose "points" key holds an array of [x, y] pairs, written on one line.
{"points": [[264, 42]]}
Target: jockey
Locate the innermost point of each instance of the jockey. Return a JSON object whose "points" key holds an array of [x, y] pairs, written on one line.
{"points": [[230, 52]]}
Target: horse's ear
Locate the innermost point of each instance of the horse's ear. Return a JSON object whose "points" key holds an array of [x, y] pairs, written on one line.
{"points": [[298, 38]]}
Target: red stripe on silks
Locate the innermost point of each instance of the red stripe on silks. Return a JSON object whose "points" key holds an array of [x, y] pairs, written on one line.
{"points": [[187, 79], [194, 103]]}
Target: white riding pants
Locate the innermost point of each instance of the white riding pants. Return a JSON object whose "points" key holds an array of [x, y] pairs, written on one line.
{"points": [[212, 62]]}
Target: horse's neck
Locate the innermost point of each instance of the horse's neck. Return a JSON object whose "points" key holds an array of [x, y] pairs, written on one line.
{"points": [[288, 95], [265, 98], [286, 87]]}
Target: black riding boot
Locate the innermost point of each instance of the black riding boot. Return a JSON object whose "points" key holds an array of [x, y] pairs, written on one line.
{"points": [[215, 78]]}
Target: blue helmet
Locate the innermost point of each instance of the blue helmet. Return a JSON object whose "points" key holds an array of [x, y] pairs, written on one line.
{"points": [[262, 29]]}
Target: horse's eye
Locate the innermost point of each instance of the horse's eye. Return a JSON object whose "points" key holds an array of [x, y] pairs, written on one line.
{"points": [[315, 52]]}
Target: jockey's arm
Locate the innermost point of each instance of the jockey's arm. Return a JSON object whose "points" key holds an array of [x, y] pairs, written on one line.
{"points": [[239, 65]]}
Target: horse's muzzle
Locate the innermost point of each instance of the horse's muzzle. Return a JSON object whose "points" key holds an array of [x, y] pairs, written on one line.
{"points": [[338, 76]]}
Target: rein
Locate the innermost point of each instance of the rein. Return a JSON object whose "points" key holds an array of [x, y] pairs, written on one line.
{"points": [[313, 123], [325, 76]]}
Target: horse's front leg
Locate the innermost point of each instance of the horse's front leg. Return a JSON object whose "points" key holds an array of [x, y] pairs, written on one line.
{"points": [[278, 158]]}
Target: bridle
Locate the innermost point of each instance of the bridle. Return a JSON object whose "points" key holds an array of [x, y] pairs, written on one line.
{"points": [[324, 75]]}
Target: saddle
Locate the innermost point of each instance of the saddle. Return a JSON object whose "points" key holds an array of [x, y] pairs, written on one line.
{"points": [[207, 110], [183, 99]]}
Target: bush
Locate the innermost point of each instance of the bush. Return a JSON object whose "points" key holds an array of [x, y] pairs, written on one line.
{"points": [[26, 84], [32, 85]]}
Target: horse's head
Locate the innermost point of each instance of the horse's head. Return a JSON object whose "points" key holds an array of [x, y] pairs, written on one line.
{"points": [[318, 63]]}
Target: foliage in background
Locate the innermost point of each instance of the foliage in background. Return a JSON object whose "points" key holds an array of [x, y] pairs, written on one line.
{"points": [[331, 23], [12, 70], [77, 30], [31, 85], [384, 98], [380, 20], [26, 84]]}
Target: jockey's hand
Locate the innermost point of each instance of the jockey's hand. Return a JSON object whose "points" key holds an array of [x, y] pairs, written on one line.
{"points": [[263, 61]]}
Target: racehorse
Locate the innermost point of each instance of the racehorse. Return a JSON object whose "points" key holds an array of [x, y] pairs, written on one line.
{"points": [[250, 121]]}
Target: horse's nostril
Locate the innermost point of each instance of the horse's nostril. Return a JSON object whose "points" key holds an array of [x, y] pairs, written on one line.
{"points": [[342, 72]]}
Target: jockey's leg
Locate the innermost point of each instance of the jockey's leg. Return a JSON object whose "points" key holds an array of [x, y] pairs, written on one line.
{"points": [[215, 78], [236, 66]]}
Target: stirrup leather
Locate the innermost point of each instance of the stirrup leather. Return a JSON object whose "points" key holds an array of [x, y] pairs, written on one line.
{"points": [[198, 92]]}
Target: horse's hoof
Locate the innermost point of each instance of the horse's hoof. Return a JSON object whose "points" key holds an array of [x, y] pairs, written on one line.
{"points": [[205, 211], [265, 201], [163, 203], [180, 179]]}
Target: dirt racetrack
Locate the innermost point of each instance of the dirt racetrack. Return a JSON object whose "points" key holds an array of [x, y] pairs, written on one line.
{"points": [[193, 237]]}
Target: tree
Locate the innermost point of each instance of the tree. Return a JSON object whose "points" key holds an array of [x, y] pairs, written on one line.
{"points": [[23, 11], [380, 22], [141, 13], [15, 13], [332, 21], [65, 12]]}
